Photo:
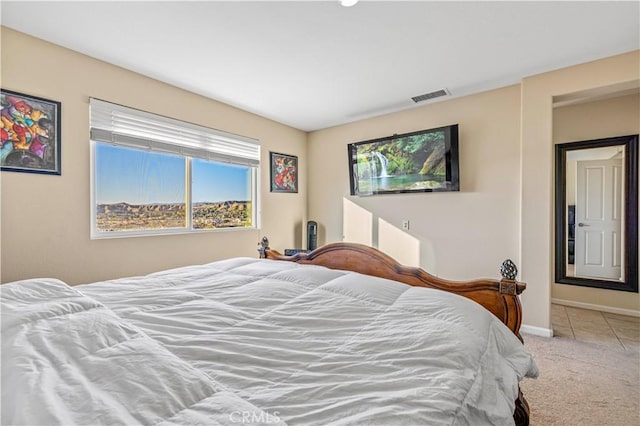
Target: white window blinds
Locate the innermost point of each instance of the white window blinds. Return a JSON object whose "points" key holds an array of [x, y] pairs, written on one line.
{"points": [[123, 126]]}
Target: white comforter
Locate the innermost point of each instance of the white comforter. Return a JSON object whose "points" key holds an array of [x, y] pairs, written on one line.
{"points": [[254, 341]]}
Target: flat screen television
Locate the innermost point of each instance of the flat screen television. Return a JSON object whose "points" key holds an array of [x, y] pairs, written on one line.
{"points": [[423, 161]]}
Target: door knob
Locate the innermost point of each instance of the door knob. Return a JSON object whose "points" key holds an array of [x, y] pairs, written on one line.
{"points": [[582, 224]]}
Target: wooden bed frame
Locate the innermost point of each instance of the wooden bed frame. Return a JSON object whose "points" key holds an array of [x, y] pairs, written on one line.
{"points": [[500, 297]]}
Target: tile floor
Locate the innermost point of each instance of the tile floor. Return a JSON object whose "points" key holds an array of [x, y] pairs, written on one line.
{"points": [[602, 328]]}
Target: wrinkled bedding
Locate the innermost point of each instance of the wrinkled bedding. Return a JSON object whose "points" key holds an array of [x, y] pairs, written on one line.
{"points": [[249, 341]]}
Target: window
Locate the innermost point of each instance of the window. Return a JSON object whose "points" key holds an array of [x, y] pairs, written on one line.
{"points": [[221, 206], [152, 174]]}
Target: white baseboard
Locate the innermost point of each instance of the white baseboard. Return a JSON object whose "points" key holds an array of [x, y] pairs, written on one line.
{"points": [[619, 311], [536, 331]]}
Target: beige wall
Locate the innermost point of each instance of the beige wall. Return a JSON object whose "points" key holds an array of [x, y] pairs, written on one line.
{"points": [[594, 120], [45, 219], [462, 234], [537, 168]]}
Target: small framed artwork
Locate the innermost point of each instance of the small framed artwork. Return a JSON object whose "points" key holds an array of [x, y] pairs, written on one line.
{"points": [[284, 172], [29, 134]]}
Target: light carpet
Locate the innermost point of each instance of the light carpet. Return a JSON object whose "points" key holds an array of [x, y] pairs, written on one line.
{"points": [[582, 384]]}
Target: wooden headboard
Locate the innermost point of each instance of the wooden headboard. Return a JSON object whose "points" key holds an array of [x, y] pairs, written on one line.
{"points": [[500, 297]]}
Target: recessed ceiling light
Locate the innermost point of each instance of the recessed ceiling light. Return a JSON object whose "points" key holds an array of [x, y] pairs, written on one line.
{"points": [[348, 3]]}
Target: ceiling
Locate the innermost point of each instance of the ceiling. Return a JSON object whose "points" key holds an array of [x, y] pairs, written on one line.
{"points": [[316, 64]]}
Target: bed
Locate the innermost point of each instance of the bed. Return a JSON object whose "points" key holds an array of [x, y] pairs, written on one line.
{"points": [[273, 340]]}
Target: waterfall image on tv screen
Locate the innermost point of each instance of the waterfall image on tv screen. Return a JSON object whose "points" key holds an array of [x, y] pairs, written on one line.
{"points": [[424, 161]]}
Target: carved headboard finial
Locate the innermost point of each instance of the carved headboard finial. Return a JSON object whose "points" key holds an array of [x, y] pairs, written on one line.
{"points": [[509, 270], [263, 245]]}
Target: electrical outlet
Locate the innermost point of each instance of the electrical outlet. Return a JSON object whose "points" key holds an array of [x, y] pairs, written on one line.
{"points": [[405, 224]]}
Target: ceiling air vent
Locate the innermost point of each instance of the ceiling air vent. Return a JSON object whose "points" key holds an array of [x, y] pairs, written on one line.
{"points": [[431, 95]]}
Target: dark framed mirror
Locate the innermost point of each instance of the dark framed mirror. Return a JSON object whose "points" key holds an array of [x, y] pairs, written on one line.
{"points": [[596, 213]]}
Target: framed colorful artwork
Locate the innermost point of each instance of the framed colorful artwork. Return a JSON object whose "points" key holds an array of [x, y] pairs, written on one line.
{"points": [[29, 134], [284, 172]]}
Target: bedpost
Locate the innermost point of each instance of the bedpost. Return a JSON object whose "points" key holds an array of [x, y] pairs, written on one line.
{"points": [[521, 414], [263, 246], [508, 285], [509, 270], [509, 289]]}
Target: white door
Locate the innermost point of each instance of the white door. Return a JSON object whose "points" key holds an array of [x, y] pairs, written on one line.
{"points": [[598, 219]]}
